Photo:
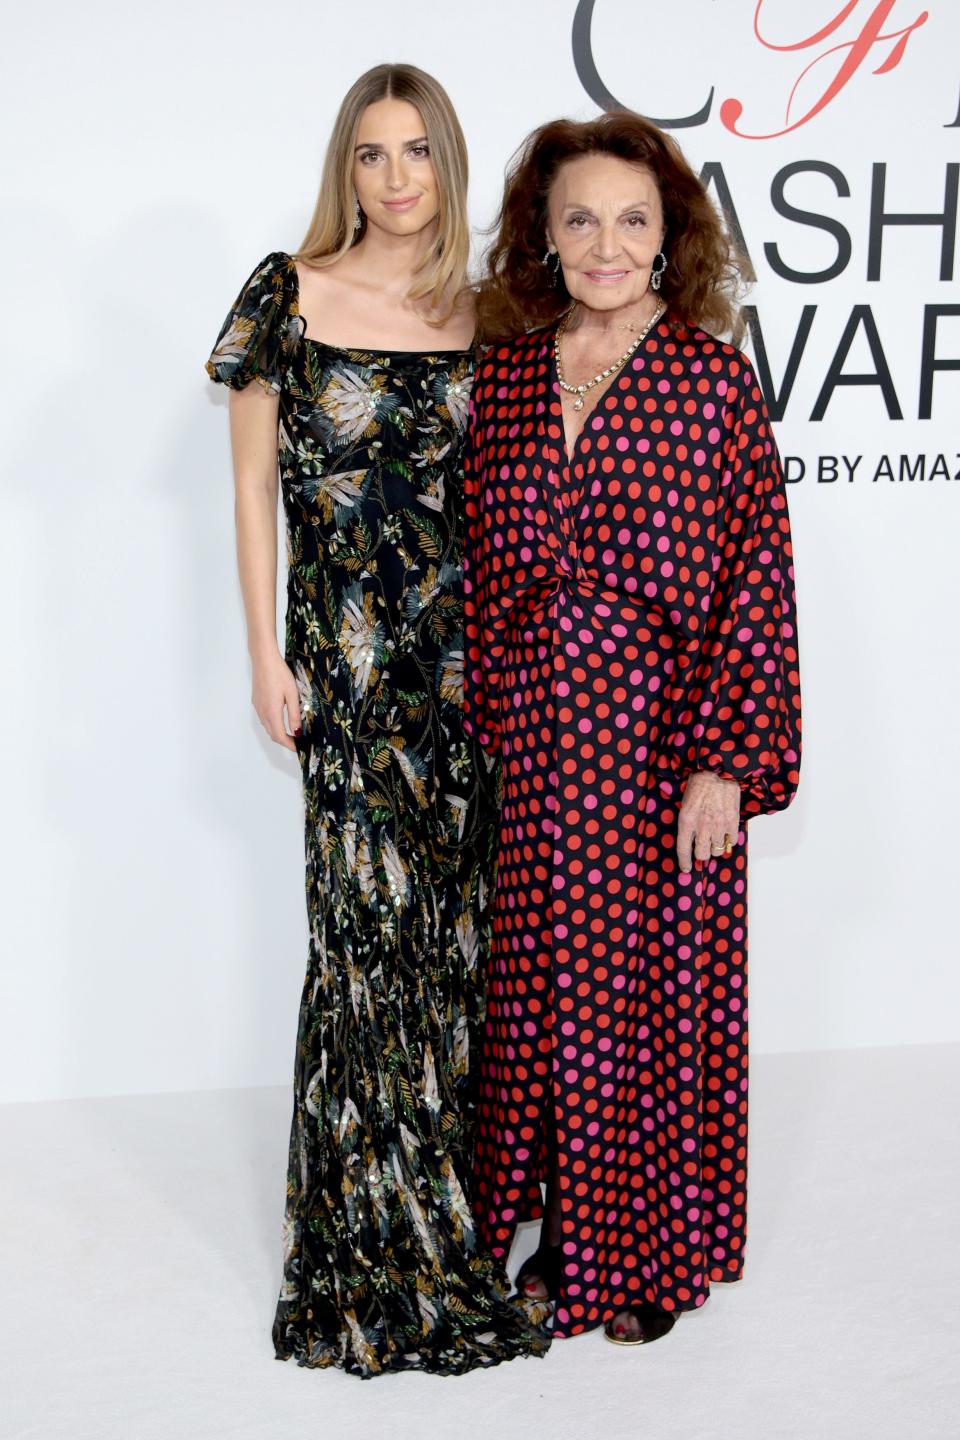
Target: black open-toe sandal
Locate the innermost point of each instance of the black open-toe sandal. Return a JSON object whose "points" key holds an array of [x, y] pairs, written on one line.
{"points": [[653, 1323], [546, 1265]]}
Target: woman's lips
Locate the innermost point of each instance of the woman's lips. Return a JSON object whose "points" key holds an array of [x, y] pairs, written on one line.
{"points": [[405, 203], [606, 277]]}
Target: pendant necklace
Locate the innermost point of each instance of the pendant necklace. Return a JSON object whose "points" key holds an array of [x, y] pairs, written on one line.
{"points": [[581, 390]]}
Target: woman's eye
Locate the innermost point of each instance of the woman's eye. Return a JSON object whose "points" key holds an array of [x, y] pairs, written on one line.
{"points": [[368, 156], [421, 151], [636, 221], [577, 222]]}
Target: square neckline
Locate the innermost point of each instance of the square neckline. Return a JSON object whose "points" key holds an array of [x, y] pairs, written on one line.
{"points": [[366, 349]]}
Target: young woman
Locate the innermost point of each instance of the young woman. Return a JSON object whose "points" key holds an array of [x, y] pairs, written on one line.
{"points": [[361, 347], [632, 656]]}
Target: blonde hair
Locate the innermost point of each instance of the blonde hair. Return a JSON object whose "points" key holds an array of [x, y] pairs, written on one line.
{"points": [[442, 274]]}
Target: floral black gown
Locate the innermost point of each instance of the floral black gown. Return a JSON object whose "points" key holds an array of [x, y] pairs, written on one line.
{"points": [[382, 1270]]}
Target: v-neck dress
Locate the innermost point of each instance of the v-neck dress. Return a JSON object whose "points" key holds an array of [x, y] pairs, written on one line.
{"points": [[381, 1267], [629, 620]]}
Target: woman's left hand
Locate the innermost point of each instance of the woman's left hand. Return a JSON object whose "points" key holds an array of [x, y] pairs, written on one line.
{"points": [[709, 814]]}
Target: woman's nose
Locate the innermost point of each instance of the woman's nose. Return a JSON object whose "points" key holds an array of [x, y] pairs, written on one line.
{"points": [[607, 243], [396, 173]]}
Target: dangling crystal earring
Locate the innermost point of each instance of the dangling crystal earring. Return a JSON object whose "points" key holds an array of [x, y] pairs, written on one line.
{"points": [[656, 276], [357, 216], [551, 259]]}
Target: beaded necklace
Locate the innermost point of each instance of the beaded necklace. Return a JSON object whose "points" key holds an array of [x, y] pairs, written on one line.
{"points": [[581, 390]]}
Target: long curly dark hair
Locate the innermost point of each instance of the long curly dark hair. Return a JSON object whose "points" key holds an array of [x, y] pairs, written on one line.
{"points": [[704, 276]]}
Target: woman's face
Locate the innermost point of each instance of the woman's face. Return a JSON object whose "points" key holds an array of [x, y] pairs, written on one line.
{"points": [[392, 171], [605, 220]]}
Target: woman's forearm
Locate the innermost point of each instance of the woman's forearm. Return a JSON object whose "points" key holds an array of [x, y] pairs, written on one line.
{"points": [[256, 519], [253, 432]]}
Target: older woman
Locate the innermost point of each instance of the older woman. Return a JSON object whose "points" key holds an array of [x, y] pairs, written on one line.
{"points": [[631, 654]]}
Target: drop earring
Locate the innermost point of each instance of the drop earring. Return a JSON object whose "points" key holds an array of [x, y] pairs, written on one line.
{"points": [[551, 261], [357, 215], [656, 276]]}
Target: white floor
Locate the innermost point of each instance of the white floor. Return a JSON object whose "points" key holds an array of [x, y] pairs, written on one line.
{"points": [[139, 1267]]}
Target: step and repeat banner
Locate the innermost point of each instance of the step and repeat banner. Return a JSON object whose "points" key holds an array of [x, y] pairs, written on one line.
{"points": [[153, 930]]}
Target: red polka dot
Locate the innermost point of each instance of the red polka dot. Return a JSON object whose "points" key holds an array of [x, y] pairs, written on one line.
{"points": [[641, 628]]}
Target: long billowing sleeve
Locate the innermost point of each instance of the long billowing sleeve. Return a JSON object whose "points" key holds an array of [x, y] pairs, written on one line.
{"points": [[482, 648], [738, 707], [261, 328]]}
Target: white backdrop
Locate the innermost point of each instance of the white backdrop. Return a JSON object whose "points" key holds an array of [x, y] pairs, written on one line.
{"points": [[152, 921]]}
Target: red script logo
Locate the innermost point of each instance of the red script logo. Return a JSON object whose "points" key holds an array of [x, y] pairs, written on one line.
{"points": [[853, 52]]}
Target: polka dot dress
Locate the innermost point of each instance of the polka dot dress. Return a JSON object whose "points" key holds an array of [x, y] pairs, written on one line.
{"points": [[630, 619]]}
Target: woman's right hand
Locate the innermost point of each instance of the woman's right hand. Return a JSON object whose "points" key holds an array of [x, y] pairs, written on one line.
{"points": [[275, 689]]}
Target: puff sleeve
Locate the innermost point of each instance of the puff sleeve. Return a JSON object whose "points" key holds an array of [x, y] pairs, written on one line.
{"points": [[261, 330]]}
